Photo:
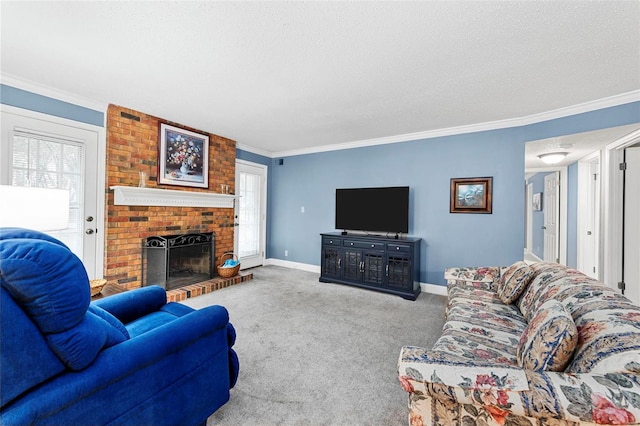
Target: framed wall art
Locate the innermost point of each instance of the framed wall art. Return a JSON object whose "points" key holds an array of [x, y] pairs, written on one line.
{"points": [[183, 157], [471, 195], [537, 201]]}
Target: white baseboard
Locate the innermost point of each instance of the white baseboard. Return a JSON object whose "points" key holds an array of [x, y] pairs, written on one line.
{"points": [[292, 265], [440, 290], [529, 257], [427, 288]]}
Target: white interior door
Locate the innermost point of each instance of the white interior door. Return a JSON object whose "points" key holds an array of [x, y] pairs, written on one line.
{"points": [[529, 220], [551, 213], [46, 154], [250, 213], [590, 240], [632, 224]]}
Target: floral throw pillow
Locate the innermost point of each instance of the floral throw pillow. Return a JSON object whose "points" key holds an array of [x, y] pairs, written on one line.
{"points": [[549, 340], [514, 281]]}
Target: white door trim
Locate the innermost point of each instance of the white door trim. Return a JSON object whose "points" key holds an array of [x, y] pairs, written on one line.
{"points": [[100, 172], [529, 229], [611, 217], [263, 208], [551, 209]]}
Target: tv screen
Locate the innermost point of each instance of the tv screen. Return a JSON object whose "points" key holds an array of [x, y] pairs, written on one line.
{"points": [[373, 209]]}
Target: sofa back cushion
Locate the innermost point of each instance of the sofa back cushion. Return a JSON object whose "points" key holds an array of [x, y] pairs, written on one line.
{"points": [[608, 327], [549, 340], [544, 275], [514, 281], [51, 285]]}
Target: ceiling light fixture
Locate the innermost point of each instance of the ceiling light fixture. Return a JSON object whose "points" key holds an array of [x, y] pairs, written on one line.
{"points": [[553, 157]]}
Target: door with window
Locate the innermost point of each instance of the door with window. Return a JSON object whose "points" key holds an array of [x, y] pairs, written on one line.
{"points": [[52, 154], [250, 213]]}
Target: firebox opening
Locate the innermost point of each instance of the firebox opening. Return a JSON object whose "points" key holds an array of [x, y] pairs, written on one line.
{"points": [[174, 261]]}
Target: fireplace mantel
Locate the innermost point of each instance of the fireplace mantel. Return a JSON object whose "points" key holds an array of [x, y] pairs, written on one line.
{"points": [[136, 196]]}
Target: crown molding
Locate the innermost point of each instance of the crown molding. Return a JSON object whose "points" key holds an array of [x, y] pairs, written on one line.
{"points": [[254, 150], [60, 95], [611, 101], [589, 106]]}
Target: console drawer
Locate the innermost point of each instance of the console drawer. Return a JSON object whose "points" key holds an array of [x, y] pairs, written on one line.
{"points": [[398, 248], [327, 241], [364, 244]]}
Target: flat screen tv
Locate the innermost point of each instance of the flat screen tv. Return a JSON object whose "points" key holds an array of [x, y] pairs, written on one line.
{"points": [[373, 209]]}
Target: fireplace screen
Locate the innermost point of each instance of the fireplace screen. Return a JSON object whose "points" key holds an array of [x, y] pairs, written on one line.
{"points": [[173, 261]]}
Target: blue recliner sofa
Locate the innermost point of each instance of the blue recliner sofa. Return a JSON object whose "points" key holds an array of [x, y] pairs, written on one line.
{"points": [[131, 358]]}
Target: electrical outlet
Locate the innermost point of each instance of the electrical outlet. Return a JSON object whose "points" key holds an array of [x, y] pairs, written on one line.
{"points": [[286, 253]]}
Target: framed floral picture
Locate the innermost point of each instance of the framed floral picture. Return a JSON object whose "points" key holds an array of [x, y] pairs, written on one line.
{"points": [[471, 195], [183, 157]]}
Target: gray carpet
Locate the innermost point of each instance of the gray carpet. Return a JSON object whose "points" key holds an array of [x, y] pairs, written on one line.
{"points": [[319, 354]]}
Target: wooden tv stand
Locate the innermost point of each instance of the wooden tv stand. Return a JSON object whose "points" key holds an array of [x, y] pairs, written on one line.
{"points": [[377, 263]]}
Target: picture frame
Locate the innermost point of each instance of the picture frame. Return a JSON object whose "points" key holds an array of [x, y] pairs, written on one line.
{"points": [[537, 201], [471, 195], [183, 157]]}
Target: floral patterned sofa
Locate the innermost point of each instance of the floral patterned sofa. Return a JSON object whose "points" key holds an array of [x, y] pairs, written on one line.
{"points": [[536, 344]]}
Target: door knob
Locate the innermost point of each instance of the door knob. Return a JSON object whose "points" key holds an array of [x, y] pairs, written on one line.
{"points": [[89, 219], [89, 231]]}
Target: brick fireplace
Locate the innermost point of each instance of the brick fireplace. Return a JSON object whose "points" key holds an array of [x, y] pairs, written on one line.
{"points": [[132, 147]]}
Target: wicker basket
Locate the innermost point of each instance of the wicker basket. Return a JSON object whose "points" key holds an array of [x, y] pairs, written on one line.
{"points": [[228, 272], [97, 286]]}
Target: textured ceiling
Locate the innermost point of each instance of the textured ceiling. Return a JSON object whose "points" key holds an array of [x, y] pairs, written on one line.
{"points": [[285, 76]]}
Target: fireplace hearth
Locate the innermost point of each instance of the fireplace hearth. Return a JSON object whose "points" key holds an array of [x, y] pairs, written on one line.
{"points": [[174, 261]]}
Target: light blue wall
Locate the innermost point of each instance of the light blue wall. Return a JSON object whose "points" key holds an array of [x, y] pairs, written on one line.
{"points": [[254, 158], [27, 100], [426, 166], [572, 215], [600, 119]]}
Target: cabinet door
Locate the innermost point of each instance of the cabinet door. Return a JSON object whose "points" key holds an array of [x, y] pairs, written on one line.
{"points": [[352, 264], [374, 268], [331, 261], [399, 272]]}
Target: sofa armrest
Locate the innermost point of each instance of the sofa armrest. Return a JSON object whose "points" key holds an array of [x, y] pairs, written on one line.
{"points": [[133, 304], [599, 398], [130, 374]]}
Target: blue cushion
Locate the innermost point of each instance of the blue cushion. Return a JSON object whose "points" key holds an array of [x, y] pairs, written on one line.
{"points": [[50, 283], [79, 346], [47, 280], [113, 321]]}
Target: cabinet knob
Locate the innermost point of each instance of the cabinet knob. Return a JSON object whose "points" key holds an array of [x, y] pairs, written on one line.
{"points": [[351, 243], [330, 241], [397, 248], [373, 245]]}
